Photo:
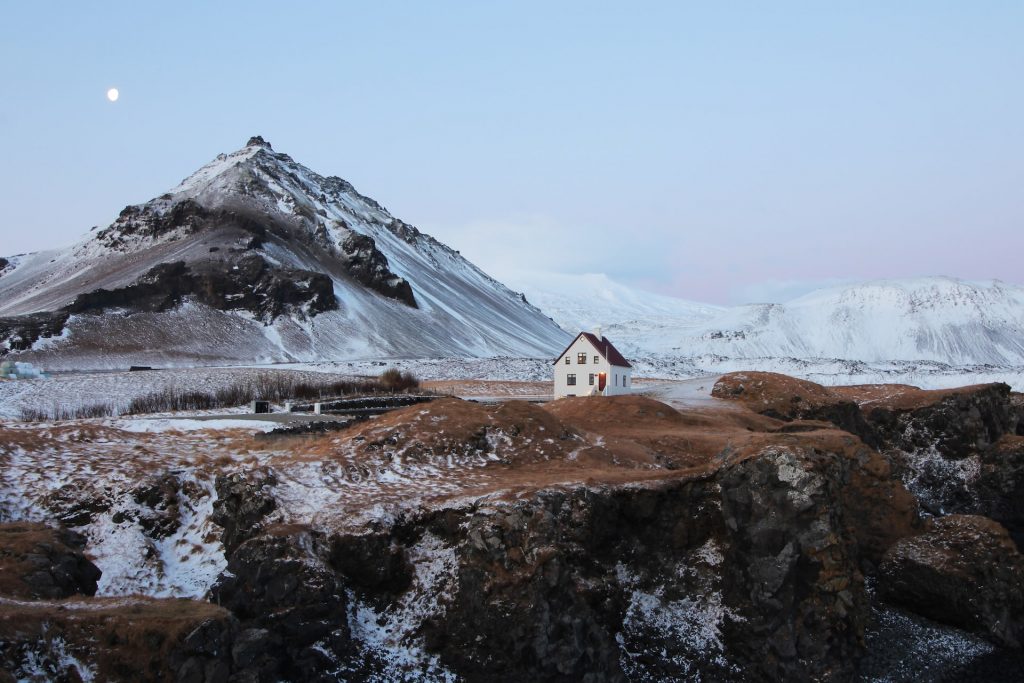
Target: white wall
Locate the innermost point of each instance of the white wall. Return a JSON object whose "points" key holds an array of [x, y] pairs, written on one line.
{"points": [[619, 379]]}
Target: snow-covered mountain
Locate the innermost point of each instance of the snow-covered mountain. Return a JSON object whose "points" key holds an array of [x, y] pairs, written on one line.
{"points": [[938, 319], [582, 302], [257, 258]]}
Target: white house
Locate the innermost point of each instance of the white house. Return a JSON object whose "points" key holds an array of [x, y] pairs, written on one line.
{"points": [[592, 366]]}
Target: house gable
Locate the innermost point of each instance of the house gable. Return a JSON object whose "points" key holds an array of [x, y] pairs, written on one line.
{"points": [[602, 346]]}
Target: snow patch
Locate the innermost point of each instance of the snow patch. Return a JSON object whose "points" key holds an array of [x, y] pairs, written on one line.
{"points": [[389, 635]]}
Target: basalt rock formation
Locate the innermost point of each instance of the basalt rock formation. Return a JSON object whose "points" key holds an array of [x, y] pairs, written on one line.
{"points": [[966, 571], [749, 571], [368, 266], [52, 630], [250, 284], [597, 539], [957, 450], [41, 562], [290, 604]]}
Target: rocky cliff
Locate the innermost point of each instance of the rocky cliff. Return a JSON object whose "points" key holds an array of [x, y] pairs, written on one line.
{"points": [[592, 539]]}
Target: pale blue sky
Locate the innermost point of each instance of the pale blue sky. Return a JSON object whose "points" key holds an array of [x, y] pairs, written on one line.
{"points": [[717, 151]]}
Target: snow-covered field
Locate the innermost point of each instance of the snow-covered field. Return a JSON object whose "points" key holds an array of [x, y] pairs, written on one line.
{"points": [[117, 389], [833, 372]]}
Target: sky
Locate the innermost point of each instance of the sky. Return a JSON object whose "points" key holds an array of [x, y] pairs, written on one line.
{"points": [[723, 152]]}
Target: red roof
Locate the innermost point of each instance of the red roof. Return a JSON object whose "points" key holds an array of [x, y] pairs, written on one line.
{"points": [[603, 346]]}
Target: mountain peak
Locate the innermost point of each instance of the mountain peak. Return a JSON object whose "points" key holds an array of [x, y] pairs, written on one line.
{"points": [[258, 141]]}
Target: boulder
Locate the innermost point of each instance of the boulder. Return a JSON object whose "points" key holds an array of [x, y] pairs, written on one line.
{"points": [[243, 502], [1000, 486], [41, 562], [291, 605], [965, 571]]}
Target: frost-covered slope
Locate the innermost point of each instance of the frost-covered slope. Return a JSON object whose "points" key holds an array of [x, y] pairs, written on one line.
{"points": [[925, 319], [278, 263]]}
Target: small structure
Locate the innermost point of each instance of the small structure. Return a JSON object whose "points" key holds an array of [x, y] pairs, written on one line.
{"points": [[592, 366]]}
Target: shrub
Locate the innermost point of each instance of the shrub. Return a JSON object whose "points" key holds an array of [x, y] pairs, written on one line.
{"points": [[394, 379], [61, 411], [273, 386]]}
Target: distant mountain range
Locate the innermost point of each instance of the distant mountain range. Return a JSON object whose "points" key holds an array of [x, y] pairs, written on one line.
{"points": [[256, 258], [939, 319]]}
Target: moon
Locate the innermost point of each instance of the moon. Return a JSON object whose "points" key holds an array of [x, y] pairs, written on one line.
{"points": [[113, 94]]}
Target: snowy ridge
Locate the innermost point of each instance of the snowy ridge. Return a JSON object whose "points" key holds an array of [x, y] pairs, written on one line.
{"points": [[938, 319]]}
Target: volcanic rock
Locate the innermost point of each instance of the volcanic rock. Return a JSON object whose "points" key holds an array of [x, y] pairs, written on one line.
{"points": [[966, 571], [38, 561], [787, 398], [291, 604], [243, 502], [116, 639], [956, 422], [369, 266]]}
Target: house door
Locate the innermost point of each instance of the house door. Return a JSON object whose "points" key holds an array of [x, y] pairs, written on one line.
{"points": [[602, 380]]}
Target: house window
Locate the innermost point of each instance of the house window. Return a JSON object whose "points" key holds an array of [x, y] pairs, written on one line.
{"points": [[625, 380], [570, 380], [567, 360], [597, 359], [616, 378], [591, 379], [581, 358]]}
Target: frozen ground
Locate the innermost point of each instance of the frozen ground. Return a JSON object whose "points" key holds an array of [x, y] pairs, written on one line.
{"points": [[71, 389], [117, 389]]}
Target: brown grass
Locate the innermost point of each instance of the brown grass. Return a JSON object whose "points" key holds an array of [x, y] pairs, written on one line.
{"points": [[770, 392], [899, 396], [126, 638]]}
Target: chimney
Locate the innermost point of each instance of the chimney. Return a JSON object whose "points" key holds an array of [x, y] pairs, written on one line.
{"points": [[597, 333]]}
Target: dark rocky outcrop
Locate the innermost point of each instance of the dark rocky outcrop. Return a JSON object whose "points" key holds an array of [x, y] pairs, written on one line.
{"points": [[966, 571], [369, 266], [250, 284], [373, 561], [955, 423], [258, 141], [76, 504], [142, 220], [18, 333], [242, 505], [116, 639], [750, 574], [956, 449], [41, 562], [291, 606], [1000, 486], [799, 527], [159, 501]]}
